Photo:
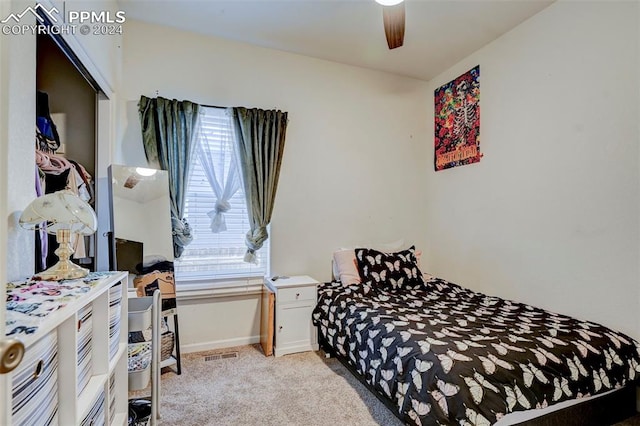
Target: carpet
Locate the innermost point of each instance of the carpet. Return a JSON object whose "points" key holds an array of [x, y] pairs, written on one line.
{"points": [[296, 389]]}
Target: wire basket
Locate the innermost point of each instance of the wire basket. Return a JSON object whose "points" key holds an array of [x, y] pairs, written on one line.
{"points": [[166, 346], [139, 356]]}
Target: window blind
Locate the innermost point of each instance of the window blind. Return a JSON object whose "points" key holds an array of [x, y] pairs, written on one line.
{"points": [[216, 255]]}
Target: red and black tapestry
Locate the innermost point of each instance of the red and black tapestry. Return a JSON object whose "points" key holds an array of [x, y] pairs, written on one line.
{"points": [[457, 121]]}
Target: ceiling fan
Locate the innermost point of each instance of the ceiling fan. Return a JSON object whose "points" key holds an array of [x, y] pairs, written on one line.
{"points": [[393, 19]]}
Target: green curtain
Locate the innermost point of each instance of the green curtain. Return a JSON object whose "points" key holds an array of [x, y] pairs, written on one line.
{"points": [[169, 129], [260, 144]]}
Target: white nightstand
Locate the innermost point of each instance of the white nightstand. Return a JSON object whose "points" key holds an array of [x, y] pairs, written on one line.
{"points": [[295, 299]]}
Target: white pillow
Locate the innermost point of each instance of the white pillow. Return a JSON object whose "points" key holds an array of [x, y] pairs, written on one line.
{"points": [[344, 267]]}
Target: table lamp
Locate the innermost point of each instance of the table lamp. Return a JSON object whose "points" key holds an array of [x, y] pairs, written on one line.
{"points": [[61, 213]]}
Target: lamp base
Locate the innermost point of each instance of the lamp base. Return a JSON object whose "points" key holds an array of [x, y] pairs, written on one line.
{"points": [[63, 270]]}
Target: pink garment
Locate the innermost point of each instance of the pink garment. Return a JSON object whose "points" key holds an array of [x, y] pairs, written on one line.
{"points": [[50, 163]]}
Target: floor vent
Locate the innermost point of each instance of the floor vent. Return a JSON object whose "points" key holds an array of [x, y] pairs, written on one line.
{"points": [[222, 355]]}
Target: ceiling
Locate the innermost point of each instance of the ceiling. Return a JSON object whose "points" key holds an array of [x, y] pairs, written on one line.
{"points": [[438, 34], [140, 189]]}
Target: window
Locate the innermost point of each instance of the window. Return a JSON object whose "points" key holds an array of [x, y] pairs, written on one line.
{"points": [[217, 256]]}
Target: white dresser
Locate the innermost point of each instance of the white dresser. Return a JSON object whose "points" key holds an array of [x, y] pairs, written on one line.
{"points": [[74, 370], [295, 299]]}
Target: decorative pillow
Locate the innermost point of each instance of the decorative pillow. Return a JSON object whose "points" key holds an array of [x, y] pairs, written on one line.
{"points": [[345, 268], [389, 270], [344, 262]]}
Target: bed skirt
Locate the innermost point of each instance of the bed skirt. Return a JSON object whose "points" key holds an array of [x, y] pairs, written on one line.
{"points": [[604, 410]]}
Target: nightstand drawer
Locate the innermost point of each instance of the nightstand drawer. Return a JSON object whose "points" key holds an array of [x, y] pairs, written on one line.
{"points": [[295, 294]]}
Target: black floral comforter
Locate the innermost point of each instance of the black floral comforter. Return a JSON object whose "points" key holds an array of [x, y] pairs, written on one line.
{"points": [[443, 354]]}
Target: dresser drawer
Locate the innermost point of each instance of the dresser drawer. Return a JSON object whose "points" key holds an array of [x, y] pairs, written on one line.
{"points": [[84, 346], [96, 415], [34, 383], [115, 316], [295, 294], [112, 398]]}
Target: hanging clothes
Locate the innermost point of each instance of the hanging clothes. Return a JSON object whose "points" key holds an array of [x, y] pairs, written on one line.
{"points": [[59, 174], [52, 163], [42, 242], [85, 183], [47, 137], [53, 183]]}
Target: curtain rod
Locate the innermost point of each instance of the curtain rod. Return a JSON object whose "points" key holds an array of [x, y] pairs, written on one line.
{"points": [[206, 106], [213, 106]]}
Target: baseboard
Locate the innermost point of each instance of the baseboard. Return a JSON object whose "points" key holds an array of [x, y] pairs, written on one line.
{"points": [[294, 349], [219, 344]]}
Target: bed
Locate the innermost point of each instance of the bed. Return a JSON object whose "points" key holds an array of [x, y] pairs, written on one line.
{"points": [[438, 353]]}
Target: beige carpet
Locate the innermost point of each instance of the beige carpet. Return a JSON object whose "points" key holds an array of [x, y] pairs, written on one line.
{"points": [[297, 389]]}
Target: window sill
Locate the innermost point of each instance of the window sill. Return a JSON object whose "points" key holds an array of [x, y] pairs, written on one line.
{"points": [[206, 289]]}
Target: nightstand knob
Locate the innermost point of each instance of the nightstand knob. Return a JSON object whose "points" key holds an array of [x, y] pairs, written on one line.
{"points": [[297, 295], [280, 328]]}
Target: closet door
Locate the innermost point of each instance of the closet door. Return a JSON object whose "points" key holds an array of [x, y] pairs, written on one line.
{"points": [[103, 184]]}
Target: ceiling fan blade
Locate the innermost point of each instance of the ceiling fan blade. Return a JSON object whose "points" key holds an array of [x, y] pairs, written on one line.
{"points": [[393, 18]]}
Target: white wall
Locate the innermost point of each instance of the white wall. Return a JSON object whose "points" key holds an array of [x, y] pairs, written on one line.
{"points": [[220, 322], [354, 164], [18, 102], [550, 215], [145, 223]]}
